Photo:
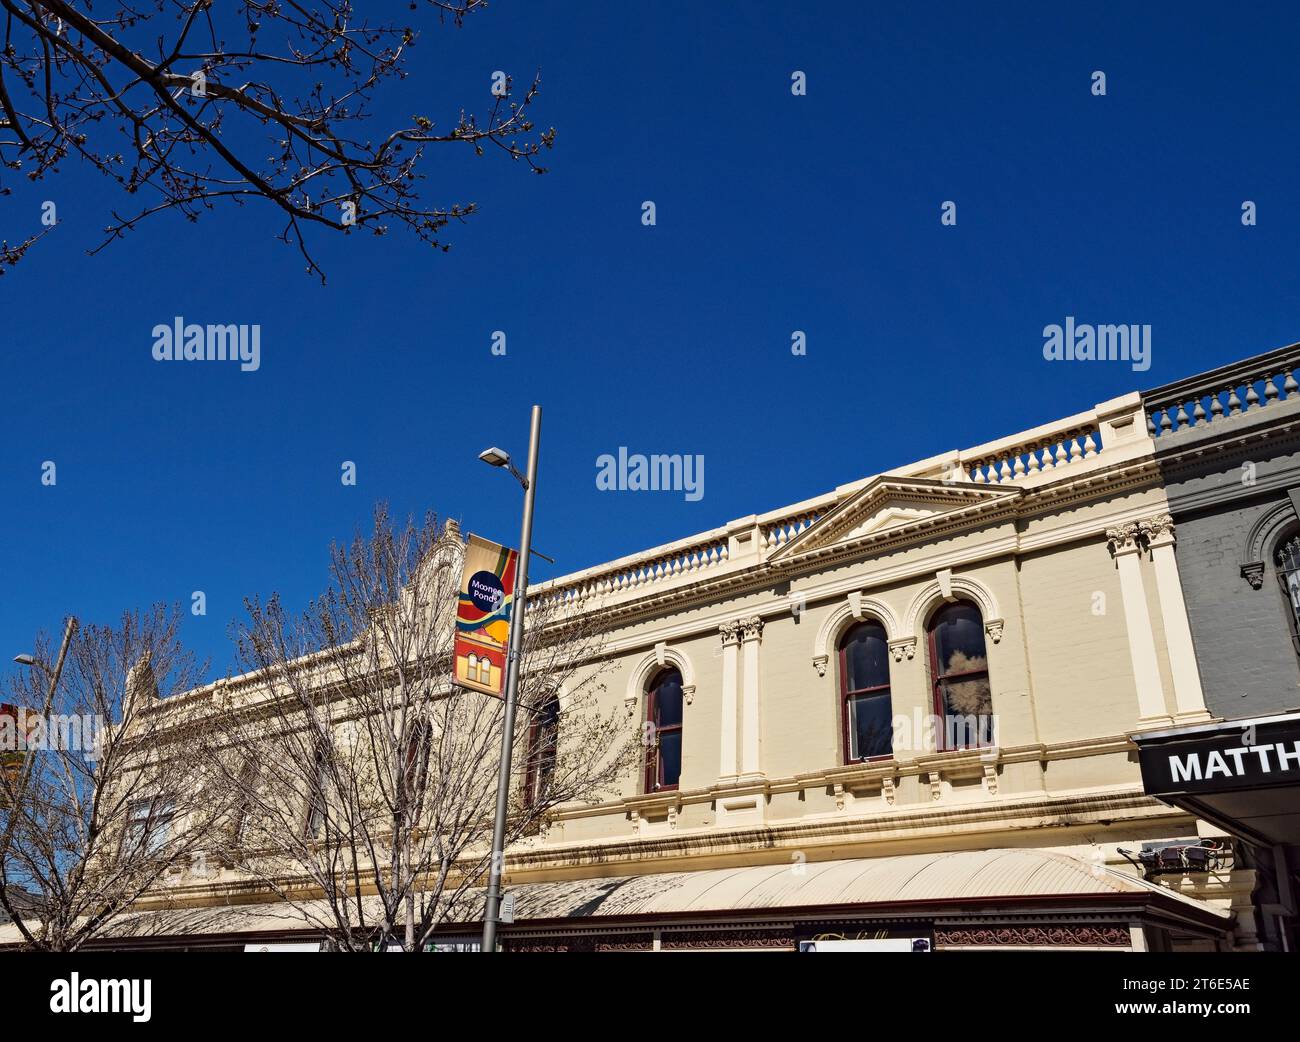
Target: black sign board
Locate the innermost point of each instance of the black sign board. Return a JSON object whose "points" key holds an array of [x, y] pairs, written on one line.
{"points": [[1249, 754]]}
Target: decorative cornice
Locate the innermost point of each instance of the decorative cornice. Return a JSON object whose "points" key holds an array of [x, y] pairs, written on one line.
{"points": [[1125, 476], [879, 491]]}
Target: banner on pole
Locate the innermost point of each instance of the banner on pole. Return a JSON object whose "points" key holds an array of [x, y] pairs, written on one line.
{"points": [[16, 726], [487, 598]]}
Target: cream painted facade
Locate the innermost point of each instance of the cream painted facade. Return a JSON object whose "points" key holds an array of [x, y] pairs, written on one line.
{"points": [[1060, 536]]}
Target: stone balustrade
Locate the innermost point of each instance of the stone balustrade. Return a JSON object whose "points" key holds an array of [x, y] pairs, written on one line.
{"points": [[1030, 457], [1220, 394]]}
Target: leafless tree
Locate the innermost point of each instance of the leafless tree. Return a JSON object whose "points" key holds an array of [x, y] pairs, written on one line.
{"points": [[189, 103], [365, 781], [102, 802]]}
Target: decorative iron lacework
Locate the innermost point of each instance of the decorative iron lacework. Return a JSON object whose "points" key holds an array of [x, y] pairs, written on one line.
{"points": [[1054, 936]]}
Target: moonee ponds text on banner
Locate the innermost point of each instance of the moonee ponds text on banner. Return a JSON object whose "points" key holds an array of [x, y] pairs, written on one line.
{"points": [[487, 597]]}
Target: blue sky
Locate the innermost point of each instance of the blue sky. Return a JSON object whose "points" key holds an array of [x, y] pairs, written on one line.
{"points": [[774, 213]]}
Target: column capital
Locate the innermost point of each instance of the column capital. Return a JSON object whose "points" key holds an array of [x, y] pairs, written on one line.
{"points": [[1124, 539], [752, 628], [1158, 530], [730, 632]]}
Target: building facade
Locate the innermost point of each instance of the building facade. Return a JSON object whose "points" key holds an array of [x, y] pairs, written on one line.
{"points": [[1228, 443], [911, 709]]}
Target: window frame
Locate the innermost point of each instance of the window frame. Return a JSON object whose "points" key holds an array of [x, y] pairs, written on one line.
{"points": [[938, 678], [146, 835], [540, 758], [414, 777], [318, 796], [654, 761], [887, 689], [1280, 572]]}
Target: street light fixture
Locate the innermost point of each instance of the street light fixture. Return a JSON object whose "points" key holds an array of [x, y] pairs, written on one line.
{"points": [[498, 457], [25, 660]]}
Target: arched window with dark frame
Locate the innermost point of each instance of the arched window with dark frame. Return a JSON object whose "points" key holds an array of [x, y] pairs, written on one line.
{"points": [[959, 675], [663, 766], [543, 748], [415, 769], [866, 709], [1287, 565]]}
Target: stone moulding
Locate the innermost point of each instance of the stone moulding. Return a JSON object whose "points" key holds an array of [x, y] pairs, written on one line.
{"points": [[1263, 534]]}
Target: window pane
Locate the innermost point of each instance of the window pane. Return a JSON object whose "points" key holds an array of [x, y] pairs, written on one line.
{"points": [[670, 757], [870, 726], [668, 699], [959, 639], [866, 657], [968, 712]]}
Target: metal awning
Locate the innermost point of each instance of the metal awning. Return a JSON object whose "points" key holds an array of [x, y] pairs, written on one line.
{"points": [[965, 883], [1241, 775], [906, 882]]}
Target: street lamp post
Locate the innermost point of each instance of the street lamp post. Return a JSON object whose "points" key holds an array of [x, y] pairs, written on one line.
{"points": [[497, 458], [69, 631], [52, 677]]}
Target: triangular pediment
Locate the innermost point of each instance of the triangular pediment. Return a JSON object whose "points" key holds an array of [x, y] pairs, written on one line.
{"points": [[889, 506]]}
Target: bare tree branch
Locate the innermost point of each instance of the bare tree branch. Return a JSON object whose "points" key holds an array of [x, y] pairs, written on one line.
{"points": [[188, 104], [365, 782]]}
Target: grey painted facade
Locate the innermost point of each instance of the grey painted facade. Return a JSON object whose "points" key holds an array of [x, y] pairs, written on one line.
{"points": [[1228, 483], [1228, 446]]}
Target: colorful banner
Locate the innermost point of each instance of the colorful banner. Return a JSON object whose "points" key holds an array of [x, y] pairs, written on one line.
{"points": [[16, 727], [487, 597]]}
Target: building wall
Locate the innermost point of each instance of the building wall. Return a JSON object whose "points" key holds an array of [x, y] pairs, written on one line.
{"points": [[1061, 672], [1225, 481]]}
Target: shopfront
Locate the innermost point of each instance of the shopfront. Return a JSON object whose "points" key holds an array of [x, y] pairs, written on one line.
{"points": [[1243, 777]]}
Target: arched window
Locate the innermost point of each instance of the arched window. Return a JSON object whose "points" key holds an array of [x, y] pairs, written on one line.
{"points": [[664, 735], [543, 736], [317, 792], [959, 672], [415, 769], [866, 708], [1287, 560]]}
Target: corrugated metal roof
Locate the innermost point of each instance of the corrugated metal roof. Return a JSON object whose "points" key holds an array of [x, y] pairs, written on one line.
{"points": [[967, 874], [872, 883]]}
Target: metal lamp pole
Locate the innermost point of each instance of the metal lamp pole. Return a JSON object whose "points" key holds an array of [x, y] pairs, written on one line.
{"points": [[493, 906]]}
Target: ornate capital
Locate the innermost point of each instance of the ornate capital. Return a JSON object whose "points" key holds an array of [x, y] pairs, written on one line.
{"points": [[993, 627], [1158, 530], [903, 647], [819, 664], [752, 628], [1253, 573], [688, 693], [730, 632], [1124, 539]]}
